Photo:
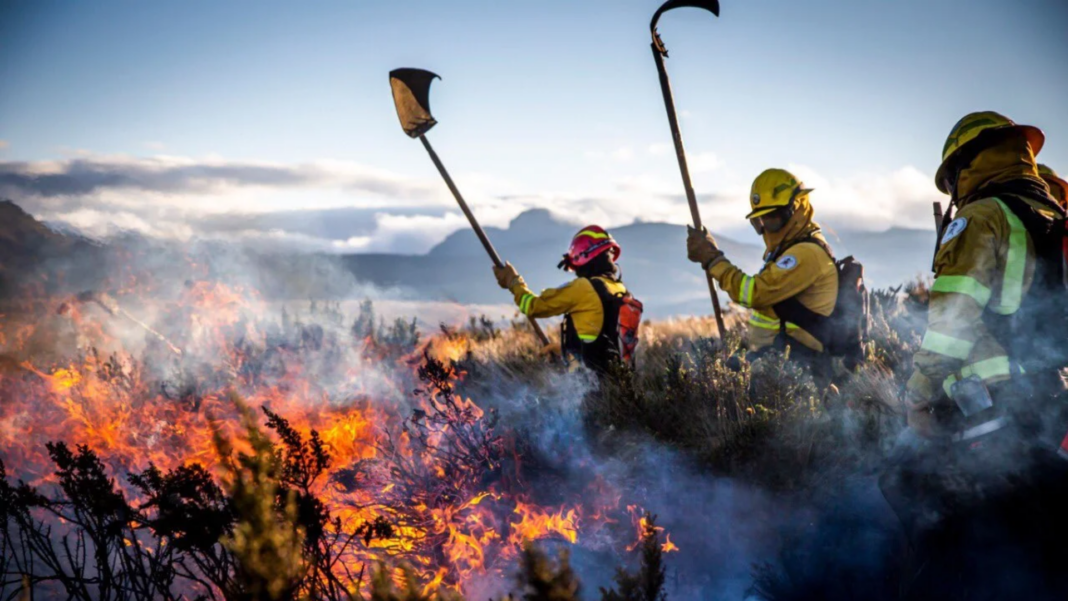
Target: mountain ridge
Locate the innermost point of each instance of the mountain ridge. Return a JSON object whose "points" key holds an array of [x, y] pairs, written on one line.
{"points": [[653, 262]]}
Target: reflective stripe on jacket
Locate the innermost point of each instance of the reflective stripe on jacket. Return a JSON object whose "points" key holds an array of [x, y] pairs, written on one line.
{"points": [[987, 265], [576, 298], [810, 275]]}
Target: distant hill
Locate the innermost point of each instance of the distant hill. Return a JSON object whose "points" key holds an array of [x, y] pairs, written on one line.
{"points": [[654, 262], [29, 247], [890, 258]]}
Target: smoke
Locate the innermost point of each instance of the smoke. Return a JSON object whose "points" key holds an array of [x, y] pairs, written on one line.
{"points": [[836, 528], [724, 527]]}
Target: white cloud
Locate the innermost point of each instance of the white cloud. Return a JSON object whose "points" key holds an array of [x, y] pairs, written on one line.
{"points": [[339, 206], [157, 146], [658, 149], [874, 201], [623, 154], [90, 174], [703, 162]]}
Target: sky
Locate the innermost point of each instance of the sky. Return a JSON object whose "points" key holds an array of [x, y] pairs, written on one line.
{"points": [[272, 123]]}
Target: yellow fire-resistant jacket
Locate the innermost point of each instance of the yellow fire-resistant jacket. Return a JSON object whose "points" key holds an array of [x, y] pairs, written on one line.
{"points": [[577, 298], [986, 262], [804, 271]]}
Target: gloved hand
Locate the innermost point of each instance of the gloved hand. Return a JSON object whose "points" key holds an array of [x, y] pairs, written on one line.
{"points": [[919, 398], [701, 247], [550, 350], [506, 276]]}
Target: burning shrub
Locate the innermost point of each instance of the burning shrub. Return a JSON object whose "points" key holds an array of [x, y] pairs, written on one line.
{"points": [[647, 584], [353, 472]]}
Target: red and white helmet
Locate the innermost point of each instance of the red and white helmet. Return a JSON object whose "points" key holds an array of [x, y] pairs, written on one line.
{"points": [[590, 242]]}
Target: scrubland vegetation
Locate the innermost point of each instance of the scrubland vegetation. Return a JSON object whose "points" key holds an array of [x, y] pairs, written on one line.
{"points": [[253, 523]]}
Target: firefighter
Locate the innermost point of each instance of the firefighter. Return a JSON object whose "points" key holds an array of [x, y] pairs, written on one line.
{"points": [[600, 316], [978, 329], [799, 277], [1058, 188], [980, 479]]}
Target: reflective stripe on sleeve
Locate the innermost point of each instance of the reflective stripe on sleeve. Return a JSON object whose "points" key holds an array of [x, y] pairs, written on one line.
{"points": [[1015, 265], [986, 369], [525, 303], [763, 322], [962, 284], [946, 345], [745, 291], [759, 320]]}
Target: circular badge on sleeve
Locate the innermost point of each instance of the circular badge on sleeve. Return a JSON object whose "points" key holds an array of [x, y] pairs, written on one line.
{"points": [[954, 229], [786, 262]]}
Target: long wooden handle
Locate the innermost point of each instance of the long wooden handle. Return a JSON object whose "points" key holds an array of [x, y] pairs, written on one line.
{"points": [[492, 252], [939, 220], [684, 170]]}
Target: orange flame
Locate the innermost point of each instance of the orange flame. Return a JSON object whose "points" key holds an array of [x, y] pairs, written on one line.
{"points": [[114, 403]]}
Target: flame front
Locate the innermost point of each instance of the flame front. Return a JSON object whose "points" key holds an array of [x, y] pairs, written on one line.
{"points": [[389, 460]]}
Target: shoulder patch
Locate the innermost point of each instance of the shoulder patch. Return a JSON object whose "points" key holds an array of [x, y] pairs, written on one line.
{"points": [[954, 229], [786, 262]]}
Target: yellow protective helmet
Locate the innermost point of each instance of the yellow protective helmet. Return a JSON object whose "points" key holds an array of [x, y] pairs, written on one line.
{"points": [[1054, 182], [968, 130], [773, 189]]}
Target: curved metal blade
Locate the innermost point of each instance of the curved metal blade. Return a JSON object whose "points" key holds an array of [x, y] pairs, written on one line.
{"points": [[411, 95], [711, 6]]}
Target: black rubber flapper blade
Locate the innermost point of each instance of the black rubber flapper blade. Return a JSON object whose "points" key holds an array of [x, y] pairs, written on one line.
{"points": [[411, 95], [711, 6]]}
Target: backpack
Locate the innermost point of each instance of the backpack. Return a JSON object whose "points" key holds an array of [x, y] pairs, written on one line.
{"points": [[618, 339], [629, 318], [844, 331]]}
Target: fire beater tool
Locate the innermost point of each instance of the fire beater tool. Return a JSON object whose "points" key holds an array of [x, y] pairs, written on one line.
{"points": [[411, 95], [113, 308], [659, 54]]}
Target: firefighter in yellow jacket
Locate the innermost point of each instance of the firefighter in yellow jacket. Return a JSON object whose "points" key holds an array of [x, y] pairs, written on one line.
{"points": [[591, 317], [1058, 188], [976, 348], [798, 266], [977, 476]]}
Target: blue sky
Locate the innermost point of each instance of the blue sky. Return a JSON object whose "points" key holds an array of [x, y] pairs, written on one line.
{"points": [[204, 110]]}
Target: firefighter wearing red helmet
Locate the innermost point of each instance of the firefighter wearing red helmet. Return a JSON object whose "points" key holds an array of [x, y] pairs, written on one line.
{"points": [[600, 316]]}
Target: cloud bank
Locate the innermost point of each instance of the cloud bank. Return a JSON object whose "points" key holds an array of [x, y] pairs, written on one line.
{"points": [[346, 207]]}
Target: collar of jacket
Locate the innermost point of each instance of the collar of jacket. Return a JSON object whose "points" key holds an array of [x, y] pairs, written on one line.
{"points": [[1008, 161], [1028, 190]]}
